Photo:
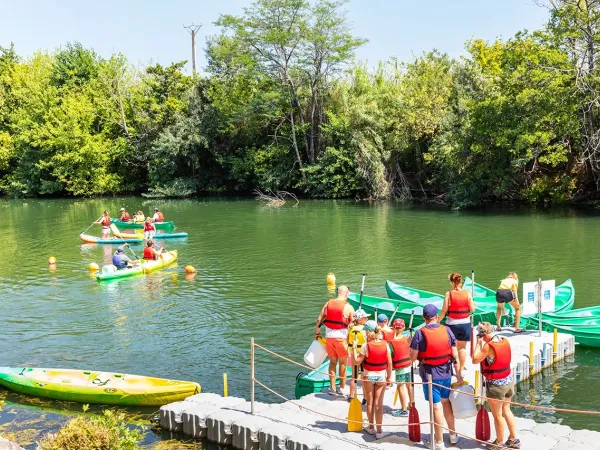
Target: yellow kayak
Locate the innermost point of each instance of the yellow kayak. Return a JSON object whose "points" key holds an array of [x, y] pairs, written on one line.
{"points": [[165, 259], [96, 387]]}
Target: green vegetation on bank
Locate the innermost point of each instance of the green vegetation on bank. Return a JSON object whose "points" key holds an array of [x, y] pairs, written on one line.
{"points": [[283, 105]]}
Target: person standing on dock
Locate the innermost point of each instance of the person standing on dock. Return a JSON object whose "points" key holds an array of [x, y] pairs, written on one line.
{"points": [[402, 364], [508, 292], [388, 333], [356, 339], [434, 345], [337, 315], [458, 305], [494, 354]]}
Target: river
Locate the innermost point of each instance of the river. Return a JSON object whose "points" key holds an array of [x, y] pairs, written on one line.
{"points": [[261, 273]]}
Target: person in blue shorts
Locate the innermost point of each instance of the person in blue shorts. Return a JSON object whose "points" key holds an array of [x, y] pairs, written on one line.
{"points": [[434, 346]]}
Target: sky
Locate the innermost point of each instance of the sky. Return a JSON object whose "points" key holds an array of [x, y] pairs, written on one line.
{"points": [[152, 31]]}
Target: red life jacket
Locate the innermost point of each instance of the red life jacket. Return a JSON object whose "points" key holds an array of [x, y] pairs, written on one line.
{"points": [[401, 350], [438, 349], [149, 226], [389, 335], [148, 253], [161, 218], [125, 217], [334, 318], [458, 304], [500, 368], [377, 359], [105, 222]]}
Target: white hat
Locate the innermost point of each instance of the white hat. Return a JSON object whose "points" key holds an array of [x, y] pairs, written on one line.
{"points": [[360, 314]]}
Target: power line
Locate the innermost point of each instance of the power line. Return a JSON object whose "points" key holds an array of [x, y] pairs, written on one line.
{"points": [[193, 29]]}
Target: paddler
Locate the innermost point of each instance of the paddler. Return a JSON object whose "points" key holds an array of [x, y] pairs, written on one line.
{"points": [[402, 365], [356, 339], [337, 315], [508, 292], [458, 305], [150, 252], [494, 354], [382, 322], [434, 346], [138, 217], [105, 222], [158, 216], [149, 229], [125, 217], [120, 260]]}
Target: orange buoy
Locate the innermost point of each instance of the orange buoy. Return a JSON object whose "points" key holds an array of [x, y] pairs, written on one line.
{"points": [[94, 267], [330, 279], [52, 260], [190, 269]]}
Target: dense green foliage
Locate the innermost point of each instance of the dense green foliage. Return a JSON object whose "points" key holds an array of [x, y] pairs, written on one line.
{"points": [[283, 105]]}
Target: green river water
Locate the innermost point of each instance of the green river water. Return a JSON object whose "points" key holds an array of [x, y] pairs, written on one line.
{"points": [[261, 273]]}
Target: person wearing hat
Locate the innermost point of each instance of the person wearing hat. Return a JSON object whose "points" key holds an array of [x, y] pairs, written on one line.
{"points": [[388, 333], [434, 346], [402, 365], [494, 354], [158, 216], [120, 260], [125, 217], [356, 339], [376, 360]]}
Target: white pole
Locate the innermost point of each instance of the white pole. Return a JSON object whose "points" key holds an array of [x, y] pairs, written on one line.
{"points": [[539, 298], [431, 419], [251, 375]]}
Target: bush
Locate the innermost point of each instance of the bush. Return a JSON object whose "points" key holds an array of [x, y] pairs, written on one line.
{"points": [[106, 432]]}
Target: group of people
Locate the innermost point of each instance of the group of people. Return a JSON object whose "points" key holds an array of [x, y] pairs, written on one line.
{"points": [[375, 350], [151, 252]]}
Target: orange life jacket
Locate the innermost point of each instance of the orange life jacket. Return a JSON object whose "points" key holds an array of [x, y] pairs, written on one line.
{"points": [[149, 226], [148, 253], [388, 335], [401, 350], [105, 222], [125, 217], [500, 368], [458, 304], [438, 349], [377, 359], [161, 218], [334, 318]]}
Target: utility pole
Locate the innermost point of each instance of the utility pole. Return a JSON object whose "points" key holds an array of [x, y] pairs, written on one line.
{"points": [[193, 29]]}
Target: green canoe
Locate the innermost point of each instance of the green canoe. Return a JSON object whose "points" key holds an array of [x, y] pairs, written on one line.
{"points": [[95, 386], [110, 273], [316, 380], [131, 224], [585, 336]]}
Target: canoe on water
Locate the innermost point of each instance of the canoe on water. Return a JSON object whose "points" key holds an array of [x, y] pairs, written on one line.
{"points": [[585, 336], [95, 386], [110, 272], [140, 234], [131, 224], [165, 259], [96, 240]]}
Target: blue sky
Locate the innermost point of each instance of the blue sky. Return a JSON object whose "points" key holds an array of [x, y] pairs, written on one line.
{"points": [[152, 30]]}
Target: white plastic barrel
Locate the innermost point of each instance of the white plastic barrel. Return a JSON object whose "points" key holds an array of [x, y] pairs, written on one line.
{"points": [[108, 269], [316, 353], [463, 406]]}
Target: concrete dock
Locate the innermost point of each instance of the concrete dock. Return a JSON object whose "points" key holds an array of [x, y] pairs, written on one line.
{"points": [[298, 424]]}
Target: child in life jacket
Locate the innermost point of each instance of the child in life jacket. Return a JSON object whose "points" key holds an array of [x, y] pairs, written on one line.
{"points": [[356, 339], [401, 364]]}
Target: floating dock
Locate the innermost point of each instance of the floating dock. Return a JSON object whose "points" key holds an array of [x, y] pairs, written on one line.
{"points": [[318, 421]]}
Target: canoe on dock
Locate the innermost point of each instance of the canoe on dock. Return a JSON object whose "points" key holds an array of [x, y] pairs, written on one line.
{"points": [[131, 224], [95, 386]]}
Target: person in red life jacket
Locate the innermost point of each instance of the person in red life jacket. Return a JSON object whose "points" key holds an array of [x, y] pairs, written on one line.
{"points": [[125, 217], [158, 216], [457, 308], [388, 333], [434, 345], [150, 252], [376, 360], [105, 222], [337, 315], [356, 339], [149, 229], [402, 365], [494, 354]]}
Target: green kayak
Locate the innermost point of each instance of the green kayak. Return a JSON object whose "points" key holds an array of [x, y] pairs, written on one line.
{"points": [[585, 336], [316, 380], [109, 272], [131, 224]]}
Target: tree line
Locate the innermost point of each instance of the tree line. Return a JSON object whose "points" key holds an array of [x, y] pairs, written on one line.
{"points": [[284, 105]]}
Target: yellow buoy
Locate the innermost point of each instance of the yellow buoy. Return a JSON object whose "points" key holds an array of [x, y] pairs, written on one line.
{"points": [[190, 269], [94, 267], [52, 260], [330, 278]]}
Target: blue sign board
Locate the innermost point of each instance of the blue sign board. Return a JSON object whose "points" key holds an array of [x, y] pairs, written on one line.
{"points": [[530, 297], [547, 294]]}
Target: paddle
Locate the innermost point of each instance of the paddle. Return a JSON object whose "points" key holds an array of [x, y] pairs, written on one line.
{"points": [[482, 421], [93, 223], [414, 429], [395, 311], [362, 288], [355, 415], [132, 252]]}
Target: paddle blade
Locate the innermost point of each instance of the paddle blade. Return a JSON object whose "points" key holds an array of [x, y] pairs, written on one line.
{"points": [[355, 416], [414, 429], [482, 425]]}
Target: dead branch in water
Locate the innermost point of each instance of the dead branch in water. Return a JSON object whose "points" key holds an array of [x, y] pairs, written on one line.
{"points": [[274, 198]]}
